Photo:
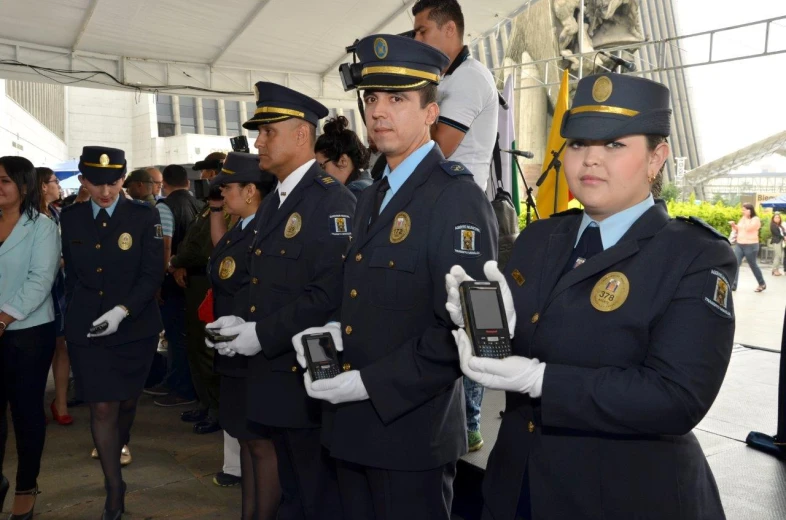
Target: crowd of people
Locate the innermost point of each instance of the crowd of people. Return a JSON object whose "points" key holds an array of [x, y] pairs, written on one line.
{"points": [[302, 238]]}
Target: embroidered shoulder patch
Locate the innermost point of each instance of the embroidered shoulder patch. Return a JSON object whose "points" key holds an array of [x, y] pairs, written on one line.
{"points": [[340, 225], [326, 181], [454, 168], [159, 231], [466, 240], [717, 294]]}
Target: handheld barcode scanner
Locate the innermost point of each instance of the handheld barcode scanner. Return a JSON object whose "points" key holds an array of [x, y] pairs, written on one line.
{"points": [[485, 319], [321, 356]]}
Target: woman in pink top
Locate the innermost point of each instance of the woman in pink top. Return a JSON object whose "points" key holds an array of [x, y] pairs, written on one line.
{"points": [[748, 244]]}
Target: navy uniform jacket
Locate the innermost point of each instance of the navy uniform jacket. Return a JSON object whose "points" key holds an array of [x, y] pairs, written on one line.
{"points": [[396, 330], [623, 388], [295, 284], [101, 274], [228, 270]]}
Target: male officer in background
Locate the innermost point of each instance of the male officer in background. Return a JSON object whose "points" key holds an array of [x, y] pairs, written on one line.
{"points": [[139, 186], [399, 427], [296, 266]]}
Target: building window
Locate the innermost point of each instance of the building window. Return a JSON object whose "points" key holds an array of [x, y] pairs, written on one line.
{"points": [[166, 120], [232, 112], [187, 115], [210, 116]]}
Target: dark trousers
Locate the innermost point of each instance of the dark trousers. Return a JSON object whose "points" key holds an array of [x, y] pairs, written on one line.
{"points": [[379, 494], [308, 477], [750, 252], [173, 313], [25, 357], [200, 358]]}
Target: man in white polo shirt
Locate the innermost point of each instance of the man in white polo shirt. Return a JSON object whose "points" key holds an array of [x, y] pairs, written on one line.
{"points": [[468, 100]]}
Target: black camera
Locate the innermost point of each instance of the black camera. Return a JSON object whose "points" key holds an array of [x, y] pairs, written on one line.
{"points": [[351, 75], [239, 144]]}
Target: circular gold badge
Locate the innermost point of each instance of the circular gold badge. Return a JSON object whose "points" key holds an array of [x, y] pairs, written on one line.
{"points": [[103, 160], [401, 226], [294, 223], [610, 292], [601, 90], [227, 268], [125, 241], [381, 48]]}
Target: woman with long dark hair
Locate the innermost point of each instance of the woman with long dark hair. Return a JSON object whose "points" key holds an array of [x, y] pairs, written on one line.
{"points": [[341, 153], [29, 260], [777, 236], [747, 245], [49, 187]]}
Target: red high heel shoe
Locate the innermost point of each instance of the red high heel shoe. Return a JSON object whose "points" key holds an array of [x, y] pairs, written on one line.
{"points": [[62, 420]]}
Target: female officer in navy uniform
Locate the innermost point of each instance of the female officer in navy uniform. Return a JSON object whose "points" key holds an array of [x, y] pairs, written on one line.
{"points": [[243, 185], [112, 248], [623, 324]]}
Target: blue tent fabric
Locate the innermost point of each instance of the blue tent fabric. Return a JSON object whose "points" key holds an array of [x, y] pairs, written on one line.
{"points": [[778, 203], [66, 169]]}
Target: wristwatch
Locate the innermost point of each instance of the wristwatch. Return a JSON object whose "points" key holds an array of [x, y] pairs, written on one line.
{"points": [[215, 209]]}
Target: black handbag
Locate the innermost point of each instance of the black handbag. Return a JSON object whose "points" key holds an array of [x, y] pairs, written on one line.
{"points": [[507, 218]]}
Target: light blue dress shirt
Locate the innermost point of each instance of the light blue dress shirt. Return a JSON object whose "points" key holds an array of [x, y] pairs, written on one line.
{"points": [[403, 171], [245, 221], [612, 228], [110, 209]]}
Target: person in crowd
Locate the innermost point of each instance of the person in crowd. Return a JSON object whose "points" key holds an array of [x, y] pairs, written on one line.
{"points": [[158, 181], [112, 250], [599, 425], [139, 186], [467, 127], [190, 274], [399, 427], [29, 261], [777, 232], [177, 211], [243, 186], [340, 152], [61, 367], [301, 231], [747, 245]]}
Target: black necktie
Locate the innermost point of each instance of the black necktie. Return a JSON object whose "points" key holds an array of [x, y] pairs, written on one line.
{"points": [[589, 245], [382, 190], [102, 220]]}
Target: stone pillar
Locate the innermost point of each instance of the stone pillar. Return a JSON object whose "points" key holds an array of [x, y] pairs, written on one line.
{"points": [[222, 118], [176, 114], [532, 119], [200, 118]]}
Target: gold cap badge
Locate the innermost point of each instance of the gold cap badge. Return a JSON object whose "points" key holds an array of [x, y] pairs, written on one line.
{"points": [[103, 160], [601, 90], [381, 48]]}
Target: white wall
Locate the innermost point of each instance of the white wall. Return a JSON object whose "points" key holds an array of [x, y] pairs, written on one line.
{"points": [[22, 134], [99, 118]]}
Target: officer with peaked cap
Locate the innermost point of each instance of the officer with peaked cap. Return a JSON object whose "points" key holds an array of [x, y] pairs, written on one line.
{"points": [[395, 419], [622, 327], [295, 270], [112, 249]]}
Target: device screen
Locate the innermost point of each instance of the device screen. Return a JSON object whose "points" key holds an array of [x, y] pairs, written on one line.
{"points": [[485, 307], [318, 348]]}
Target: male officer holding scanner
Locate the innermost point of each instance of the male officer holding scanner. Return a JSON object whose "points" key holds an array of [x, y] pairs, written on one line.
{"points": [[398, 427]]}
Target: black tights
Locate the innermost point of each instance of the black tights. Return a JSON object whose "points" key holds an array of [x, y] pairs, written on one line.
{"points": [[259, 480], [111, 424]]}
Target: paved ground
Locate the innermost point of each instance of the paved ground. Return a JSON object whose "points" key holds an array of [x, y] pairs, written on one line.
{"points": [[759, 315]]}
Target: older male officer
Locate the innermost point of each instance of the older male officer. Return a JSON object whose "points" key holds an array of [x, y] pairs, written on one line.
{"points": [[295, 269], [399, 427]]}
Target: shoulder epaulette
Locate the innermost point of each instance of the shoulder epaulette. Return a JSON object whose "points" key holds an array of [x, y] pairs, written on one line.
{"points": [[326, 181], [206, 212], [454, 169], [699, 222], [567, 212]]}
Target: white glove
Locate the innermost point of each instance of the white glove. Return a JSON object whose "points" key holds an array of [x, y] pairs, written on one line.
{"points": [[344, 388], [334, 328], [113, 317], [223, 321], [457, 275], [512, 374], [246, 342]]}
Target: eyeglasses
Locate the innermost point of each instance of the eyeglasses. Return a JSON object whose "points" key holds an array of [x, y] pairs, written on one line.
{"points": [[322, 165], [158, 182], [55, 180]]}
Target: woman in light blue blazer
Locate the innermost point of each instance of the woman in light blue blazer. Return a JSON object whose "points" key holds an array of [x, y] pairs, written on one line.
{"points": [[29, 259]]}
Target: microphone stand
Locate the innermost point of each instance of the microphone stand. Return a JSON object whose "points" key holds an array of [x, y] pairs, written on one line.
{"points": [[556, 165], [530, 201]]}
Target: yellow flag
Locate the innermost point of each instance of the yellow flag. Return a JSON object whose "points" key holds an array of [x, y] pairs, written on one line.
{"points": [[553, 194]]}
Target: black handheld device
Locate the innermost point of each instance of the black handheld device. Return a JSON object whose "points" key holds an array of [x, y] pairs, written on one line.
{"points": [[485, 319], [101, 327], [239, 144], [321, 356], [216, 337]]}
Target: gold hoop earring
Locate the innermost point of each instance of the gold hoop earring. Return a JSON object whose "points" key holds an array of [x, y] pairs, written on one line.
{"points": [[248, 200]]}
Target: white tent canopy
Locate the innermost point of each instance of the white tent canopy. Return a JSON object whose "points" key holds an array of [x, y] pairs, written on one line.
{"points": [[223, 46]]}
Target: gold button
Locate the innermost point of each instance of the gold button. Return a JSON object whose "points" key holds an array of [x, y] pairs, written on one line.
{"points": [[100, 293], [253, 308], [358, 257], [294, 369], [283, 251], [535, 318], [228, 241], [348, 330], [353, 293], [255, 281], [98, 246], [103, 224], [531, 427], [99, 270], [391, 264], [347, 367], [258, 252]]}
